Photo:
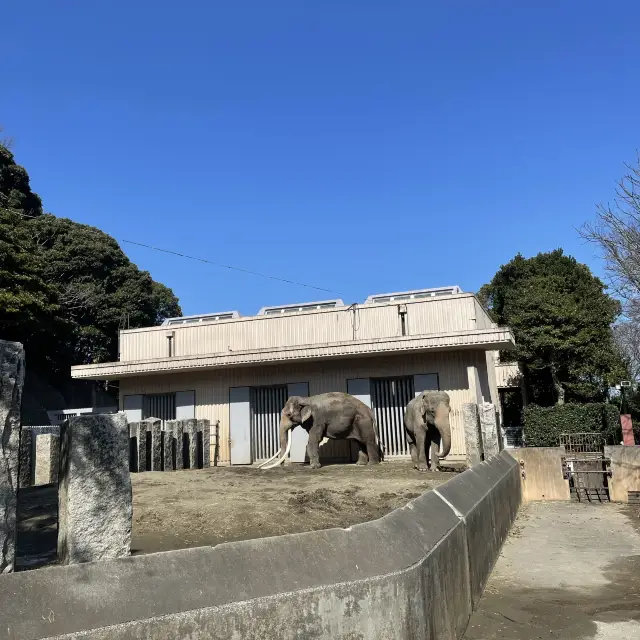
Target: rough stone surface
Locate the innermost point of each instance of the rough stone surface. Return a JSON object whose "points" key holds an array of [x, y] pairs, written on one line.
{"points": [[489, 428], [138, 446], [94, 497], [472, 434], [177, 431], [154, 427], [190, 428], [47, 458], [12, 366], [27, 458], [167, 450], [205, 428]]}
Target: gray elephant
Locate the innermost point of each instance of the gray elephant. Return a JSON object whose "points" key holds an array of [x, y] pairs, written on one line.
{"points": [[426, 423], [328, 416]]}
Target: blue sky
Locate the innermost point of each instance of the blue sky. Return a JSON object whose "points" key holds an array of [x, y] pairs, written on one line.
{"points": [[362, 147]]}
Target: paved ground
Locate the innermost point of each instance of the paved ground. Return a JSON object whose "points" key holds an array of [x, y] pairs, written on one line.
{"points": [[206, 507], [568, 570]]}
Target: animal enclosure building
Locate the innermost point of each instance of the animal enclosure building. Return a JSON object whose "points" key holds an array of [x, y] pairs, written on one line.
{"points": [[238, 371]]}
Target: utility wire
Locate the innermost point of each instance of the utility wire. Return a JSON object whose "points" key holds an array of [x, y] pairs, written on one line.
{"points": [[215, 264]]}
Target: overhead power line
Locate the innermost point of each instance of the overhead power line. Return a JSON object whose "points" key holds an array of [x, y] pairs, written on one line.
{"points": [[215, 264]]}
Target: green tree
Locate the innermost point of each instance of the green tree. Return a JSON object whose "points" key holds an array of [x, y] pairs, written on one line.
{"points": [[66, 288], [98, 287], [561, 317]]}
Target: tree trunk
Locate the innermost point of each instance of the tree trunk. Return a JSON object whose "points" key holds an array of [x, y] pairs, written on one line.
{"points": [[558, 386]]}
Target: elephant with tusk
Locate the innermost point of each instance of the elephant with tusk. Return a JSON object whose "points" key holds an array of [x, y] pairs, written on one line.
{"points": [[328, 416], [426, 423]]}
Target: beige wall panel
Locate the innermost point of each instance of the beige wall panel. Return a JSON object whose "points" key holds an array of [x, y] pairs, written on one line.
{"points": [[483, 321], [212, 387], [625, 468], [362, 322], [543, 473]]}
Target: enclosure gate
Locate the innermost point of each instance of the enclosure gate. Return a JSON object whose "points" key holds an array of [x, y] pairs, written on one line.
{"points": [[159, 405], [585, 466], [266, 404], [389, 399]]}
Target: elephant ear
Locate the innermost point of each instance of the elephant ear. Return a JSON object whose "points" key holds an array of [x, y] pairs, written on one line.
{"points": [[305, 412]]}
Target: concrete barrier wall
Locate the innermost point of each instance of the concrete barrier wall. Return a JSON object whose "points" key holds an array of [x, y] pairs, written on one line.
{"points": [[625, 472], [487, 497], [412, 574], [543, 479]]}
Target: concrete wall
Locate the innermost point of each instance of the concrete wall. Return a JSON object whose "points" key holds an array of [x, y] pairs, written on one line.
{"points": [[625, 468], [543, 473], [412, 574], [212, 387]]}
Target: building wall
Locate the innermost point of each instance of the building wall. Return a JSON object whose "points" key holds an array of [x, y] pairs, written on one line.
{"points": [[359, 322], [212, 387]]}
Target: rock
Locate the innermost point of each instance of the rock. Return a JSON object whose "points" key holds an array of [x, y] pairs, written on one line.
{"points": [[167, 447], [472, 434], [177, 432], [47, 458], [94, 490], [204, 427], [27, 458], [137, 446], [154, 427], [190, 428], [489, 427], [12, 367]]}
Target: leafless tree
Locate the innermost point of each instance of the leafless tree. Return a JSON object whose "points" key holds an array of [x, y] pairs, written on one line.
{"points": [[616, 231]]}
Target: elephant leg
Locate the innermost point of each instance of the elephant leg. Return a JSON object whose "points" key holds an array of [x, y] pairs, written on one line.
{"points": [[373, 453], [414, 454], [313, 446], [421, 436], [435, 450], [368, 435], [413, 450], [363, 458]]}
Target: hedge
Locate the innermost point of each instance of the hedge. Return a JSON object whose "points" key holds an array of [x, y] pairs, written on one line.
{"points": [[543, 425]]}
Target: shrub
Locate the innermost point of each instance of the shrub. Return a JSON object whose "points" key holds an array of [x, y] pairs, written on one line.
{"points": [[543, 425]]}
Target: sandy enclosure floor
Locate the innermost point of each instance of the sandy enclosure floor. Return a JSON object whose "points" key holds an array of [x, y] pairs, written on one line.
{"points": [[206, 507], [210, 506]]}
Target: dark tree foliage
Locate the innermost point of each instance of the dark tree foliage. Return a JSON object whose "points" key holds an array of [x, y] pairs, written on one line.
{"points": [[561, 316], [66, 288]]}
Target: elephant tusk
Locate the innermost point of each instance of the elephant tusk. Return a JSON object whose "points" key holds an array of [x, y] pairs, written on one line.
{"points": [[323, 441], [269, 460], [284, 455]]}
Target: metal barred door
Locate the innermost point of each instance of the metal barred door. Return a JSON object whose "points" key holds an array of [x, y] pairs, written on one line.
{"points": [[159, 405], [266, 405], [389, 399]]}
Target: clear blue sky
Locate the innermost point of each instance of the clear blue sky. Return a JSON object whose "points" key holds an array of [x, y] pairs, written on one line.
{"points": [[359, 146]]}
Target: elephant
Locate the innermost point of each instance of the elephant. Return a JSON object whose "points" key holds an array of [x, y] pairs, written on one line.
{"points": [[328, 416], [426, 423]]}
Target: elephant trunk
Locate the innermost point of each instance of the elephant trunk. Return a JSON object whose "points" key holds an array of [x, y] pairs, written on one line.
{"points": [[444, 428]]}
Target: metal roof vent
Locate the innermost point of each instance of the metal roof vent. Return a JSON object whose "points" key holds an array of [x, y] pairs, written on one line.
{"points": [[305, 306], [413, 295], [204, 317]]}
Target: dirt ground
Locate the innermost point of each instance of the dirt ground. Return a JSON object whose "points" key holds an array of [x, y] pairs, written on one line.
{"points": [[210, 506], [568, 570], [222, 504]]}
